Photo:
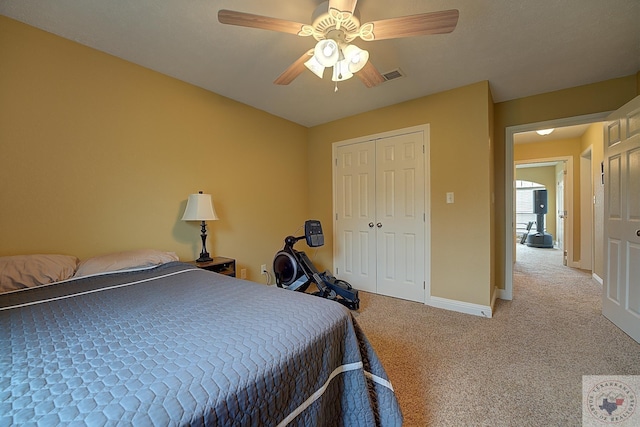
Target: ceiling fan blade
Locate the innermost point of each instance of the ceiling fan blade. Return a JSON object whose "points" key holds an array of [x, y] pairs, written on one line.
{"points": [[242, 19], [294, 69], [370, 76], [413, 25], [346, 6]]}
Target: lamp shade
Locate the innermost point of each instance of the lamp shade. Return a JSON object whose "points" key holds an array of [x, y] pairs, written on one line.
{"points": [[341, 71], [326, 52], [316, 67], [199, 208], [356, 57]]}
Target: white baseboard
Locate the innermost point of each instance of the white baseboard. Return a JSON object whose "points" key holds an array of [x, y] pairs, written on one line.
{"points": [[503, 294], [597, 278], [461, 306]]}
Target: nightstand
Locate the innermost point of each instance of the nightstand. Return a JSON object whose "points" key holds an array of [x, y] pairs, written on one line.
{"points": [[222, 265]]}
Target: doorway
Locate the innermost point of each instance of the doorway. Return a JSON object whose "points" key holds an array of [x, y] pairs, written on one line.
{"points": [[509, 242], [555, 175]]}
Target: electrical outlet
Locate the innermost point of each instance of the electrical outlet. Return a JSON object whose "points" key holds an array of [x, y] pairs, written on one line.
{"points": [[263, 269], [243, 273]]}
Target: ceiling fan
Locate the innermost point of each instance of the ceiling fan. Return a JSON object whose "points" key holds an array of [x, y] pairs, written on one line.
{"points": [[335, 24]]}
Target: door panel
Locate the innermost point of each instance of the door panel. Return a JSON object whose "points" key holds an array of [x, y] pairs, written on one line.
{"points": [[355, 206], [613, 291], [634, 271], [400, 216], [621, 288]]}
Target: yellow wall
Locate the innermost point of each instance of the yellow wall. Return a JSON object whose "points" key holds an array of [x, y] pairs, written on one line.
{"points": [[99, 155], [460, 162], [593, 138], [598, 97]]}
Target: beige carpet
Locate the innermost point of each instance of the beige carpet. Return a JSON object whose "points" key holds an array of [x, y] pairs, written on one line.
{"points": [[523, 367]]}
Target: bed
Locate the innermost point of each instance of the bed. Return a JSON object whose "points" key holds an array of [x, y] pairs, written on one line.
{"points": [[171, 344]]}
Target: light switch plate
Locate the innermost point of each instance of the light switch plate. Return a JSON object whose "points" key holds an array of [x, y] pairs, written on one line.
{"points": [[450, 197]]}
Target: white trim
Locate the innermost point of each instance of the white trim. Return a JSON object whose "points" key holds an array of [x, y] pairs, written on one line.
{"points": [[103, 273], [597, 278], [507, 292], [502, 294], [378, 380], [318, 393], [461, 306], [586, 210], [92, 291]]}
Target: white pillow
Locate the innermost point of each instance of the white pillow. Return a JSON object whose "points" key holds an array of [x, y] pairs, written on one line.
{"points": [[25, 271], [124, 260]]}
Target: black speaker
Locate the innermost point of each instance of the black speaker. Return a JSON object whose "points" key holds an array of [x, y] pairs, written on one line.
{"points": [[540, 201]]}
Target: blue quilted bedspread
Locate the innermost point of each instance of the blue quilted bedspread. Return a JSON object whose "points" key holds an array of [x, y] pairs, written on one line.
{"points": [[176, 345]]}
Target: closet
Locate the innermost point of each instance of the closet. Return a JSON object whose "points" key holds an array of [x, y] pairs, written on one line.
{"points": [[380, 214]]}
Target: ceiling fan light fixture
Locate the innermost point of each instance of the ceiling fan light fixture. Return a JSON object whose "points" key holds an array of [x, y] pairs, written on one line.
{"points": [[356, 58], [335, 23], [327, 52], [315, 67]]}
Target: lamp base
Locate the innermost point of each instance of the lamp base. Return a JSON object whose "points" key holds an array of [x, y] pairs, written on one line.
{"points": [[204, 258], [204, 255]]}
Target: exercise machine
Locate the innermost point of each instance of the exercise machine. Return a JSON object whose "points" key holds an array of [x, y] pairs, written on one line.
{"points": [[540, 239], [294, 270]]}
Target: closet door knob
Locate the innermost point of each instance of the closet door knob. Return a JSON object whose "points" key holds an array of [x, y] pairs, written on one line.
{"points": [[370, 225], [379, 225]]}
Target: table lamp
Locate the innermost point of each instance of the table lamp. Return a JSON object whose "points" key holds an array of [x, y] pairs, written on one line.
{"points": [[200, 208]]}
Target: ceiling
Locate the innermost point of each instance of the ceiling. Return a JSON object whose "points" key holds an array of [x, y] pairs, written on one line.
{"points": [[566, 132], [521, 47]]}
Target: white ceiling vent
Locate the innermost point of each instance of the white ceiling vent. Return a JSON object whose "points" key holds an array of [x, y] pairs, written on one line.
{"points": [[393, 74]]}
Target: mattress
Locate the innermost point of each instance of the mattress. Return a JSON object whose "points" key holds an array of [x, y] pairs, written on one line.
{"points": [[177, 345]]}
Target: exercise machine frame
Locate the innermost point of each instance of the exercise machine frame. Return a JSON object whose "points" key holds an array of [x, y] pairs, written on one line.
{"points": [[294, 270]]}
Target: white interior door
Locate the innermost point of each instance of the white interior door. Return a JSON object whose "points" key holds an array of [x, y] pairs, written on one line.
{"points": [[355, 235], [621, 287], [400, 215], [379, 243]]}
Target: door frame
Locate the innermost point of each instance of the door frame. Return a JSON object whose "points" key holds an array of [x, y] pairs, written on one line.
{"points": [[586, 209], [561, 240], [568, 199], [510, 131], [425, 129]]}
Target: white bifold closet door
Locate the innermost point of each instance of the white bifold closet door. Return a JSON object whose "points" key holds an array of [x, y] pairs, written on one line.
{"points": [[380, 216]]}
